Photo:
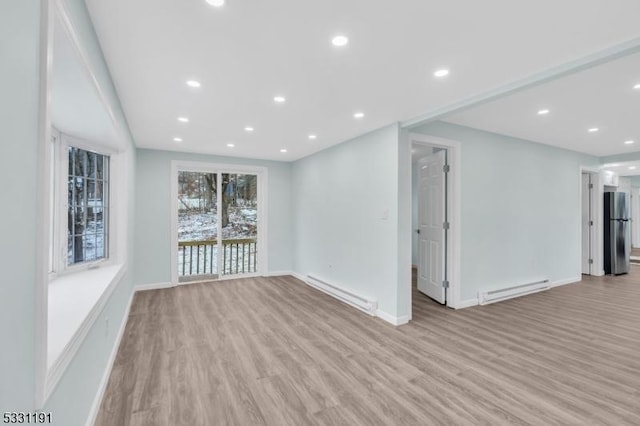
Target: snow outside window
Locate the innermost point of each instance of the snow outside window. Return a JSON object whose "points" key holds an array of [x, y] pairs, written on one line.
{"points": [[82, 209], [87, 207]]}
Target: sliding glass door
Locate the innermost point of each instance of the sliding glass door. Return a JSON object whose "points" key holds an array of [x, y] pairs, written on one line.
{"points": [[217, 224], [239, 223]]}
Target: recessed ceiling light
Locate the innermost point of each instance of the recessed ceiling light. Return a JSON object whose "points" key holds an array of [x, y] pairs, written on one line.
{"points": [[543, 112], [358, 115], [637, 86], [193, 83], [248, 129], [340, 40], [313, 137], [614, 165], [441, 73], [632, 167], [279, 99], [593, 130], [629, 142], [231, 145], [183, 119], [283, 150], [216, 3], [177, 139]]}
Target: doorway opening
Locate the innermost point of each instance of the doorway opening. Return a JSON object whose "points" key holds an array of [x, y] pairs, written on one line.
{"points": [[588, 230], [591, 223], [435, 221], [432, 223], [218, 222]]}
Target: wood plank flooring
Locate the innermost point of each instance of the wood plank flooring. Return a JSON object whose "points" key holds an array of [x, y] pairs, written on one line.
{"points": [[274, 351]]}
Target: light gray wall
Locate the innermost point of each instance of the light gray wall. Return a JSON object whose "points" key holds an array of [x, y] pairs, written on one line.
{"points": [[19, 79], [619, 158], [153, 212], [403, 226], [339, 198], [520, 209], [72, 398]]}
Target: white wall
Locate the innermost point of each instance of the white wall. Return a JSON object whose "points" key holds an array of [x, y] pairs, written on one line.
{"points": [[345, 215], [74, 395], [624, 185], [19, 79], [520, 209], [71, 401]]}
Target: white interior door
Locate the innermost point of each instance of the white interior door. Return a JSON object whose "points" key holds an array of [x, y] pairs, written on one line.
{"points": [[586, 223], [431, 226]]}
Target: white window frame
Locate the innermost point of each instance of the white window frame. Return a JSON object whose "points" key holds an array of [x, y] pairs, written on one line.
{"points": [[106, 272], [60, 203]]}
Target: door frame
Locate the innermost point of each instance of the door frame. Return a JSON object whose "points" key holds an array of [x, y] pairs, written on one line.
{"points": [[597, 204], [591, 227], [205, 167], [454, 217]]}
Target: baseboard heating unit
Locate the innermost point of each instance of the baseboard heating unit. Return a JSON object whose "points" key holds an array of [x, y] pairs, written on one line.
{"points": [[492, 296], [344, 295]]}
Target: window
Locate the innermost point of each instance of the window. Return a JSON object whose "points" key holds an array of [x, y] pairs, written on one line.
{"points": [[88, 206], [81, 205]]}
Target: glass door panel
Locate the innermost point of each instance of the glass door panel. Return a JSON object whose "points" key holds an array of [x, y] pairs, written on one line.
{"points": [[239, 223], [197, 226]]}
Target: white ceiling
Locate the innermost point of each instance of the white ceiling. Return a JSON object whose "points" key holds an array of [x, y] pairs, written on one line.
{"points": [[602, 97], [76, 108], [248, 51], [623, 168]]}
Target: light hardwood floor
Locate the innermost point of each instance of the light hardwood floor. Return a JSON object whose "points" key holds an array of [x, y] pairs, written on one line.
{"points": [[274, 351]]}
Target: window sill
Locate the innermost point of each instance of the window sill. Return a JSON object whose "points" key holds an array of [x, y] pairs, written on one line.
{"points": [[75, 301]]}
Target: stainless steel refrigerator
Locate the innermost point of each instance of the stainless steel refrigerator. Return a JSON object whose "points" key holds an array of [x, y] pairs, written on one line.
{"points": [[617, 233]]}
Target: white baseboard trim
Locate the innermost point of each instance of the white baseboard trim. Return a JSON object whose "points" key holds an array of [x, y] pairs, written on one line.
{"points": [[298, 276], [565, 281], [466, 303], [225, 278], [152, 286], [95, 407], [392, 319], [289, 273], [158, 286], [277, 273]]}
